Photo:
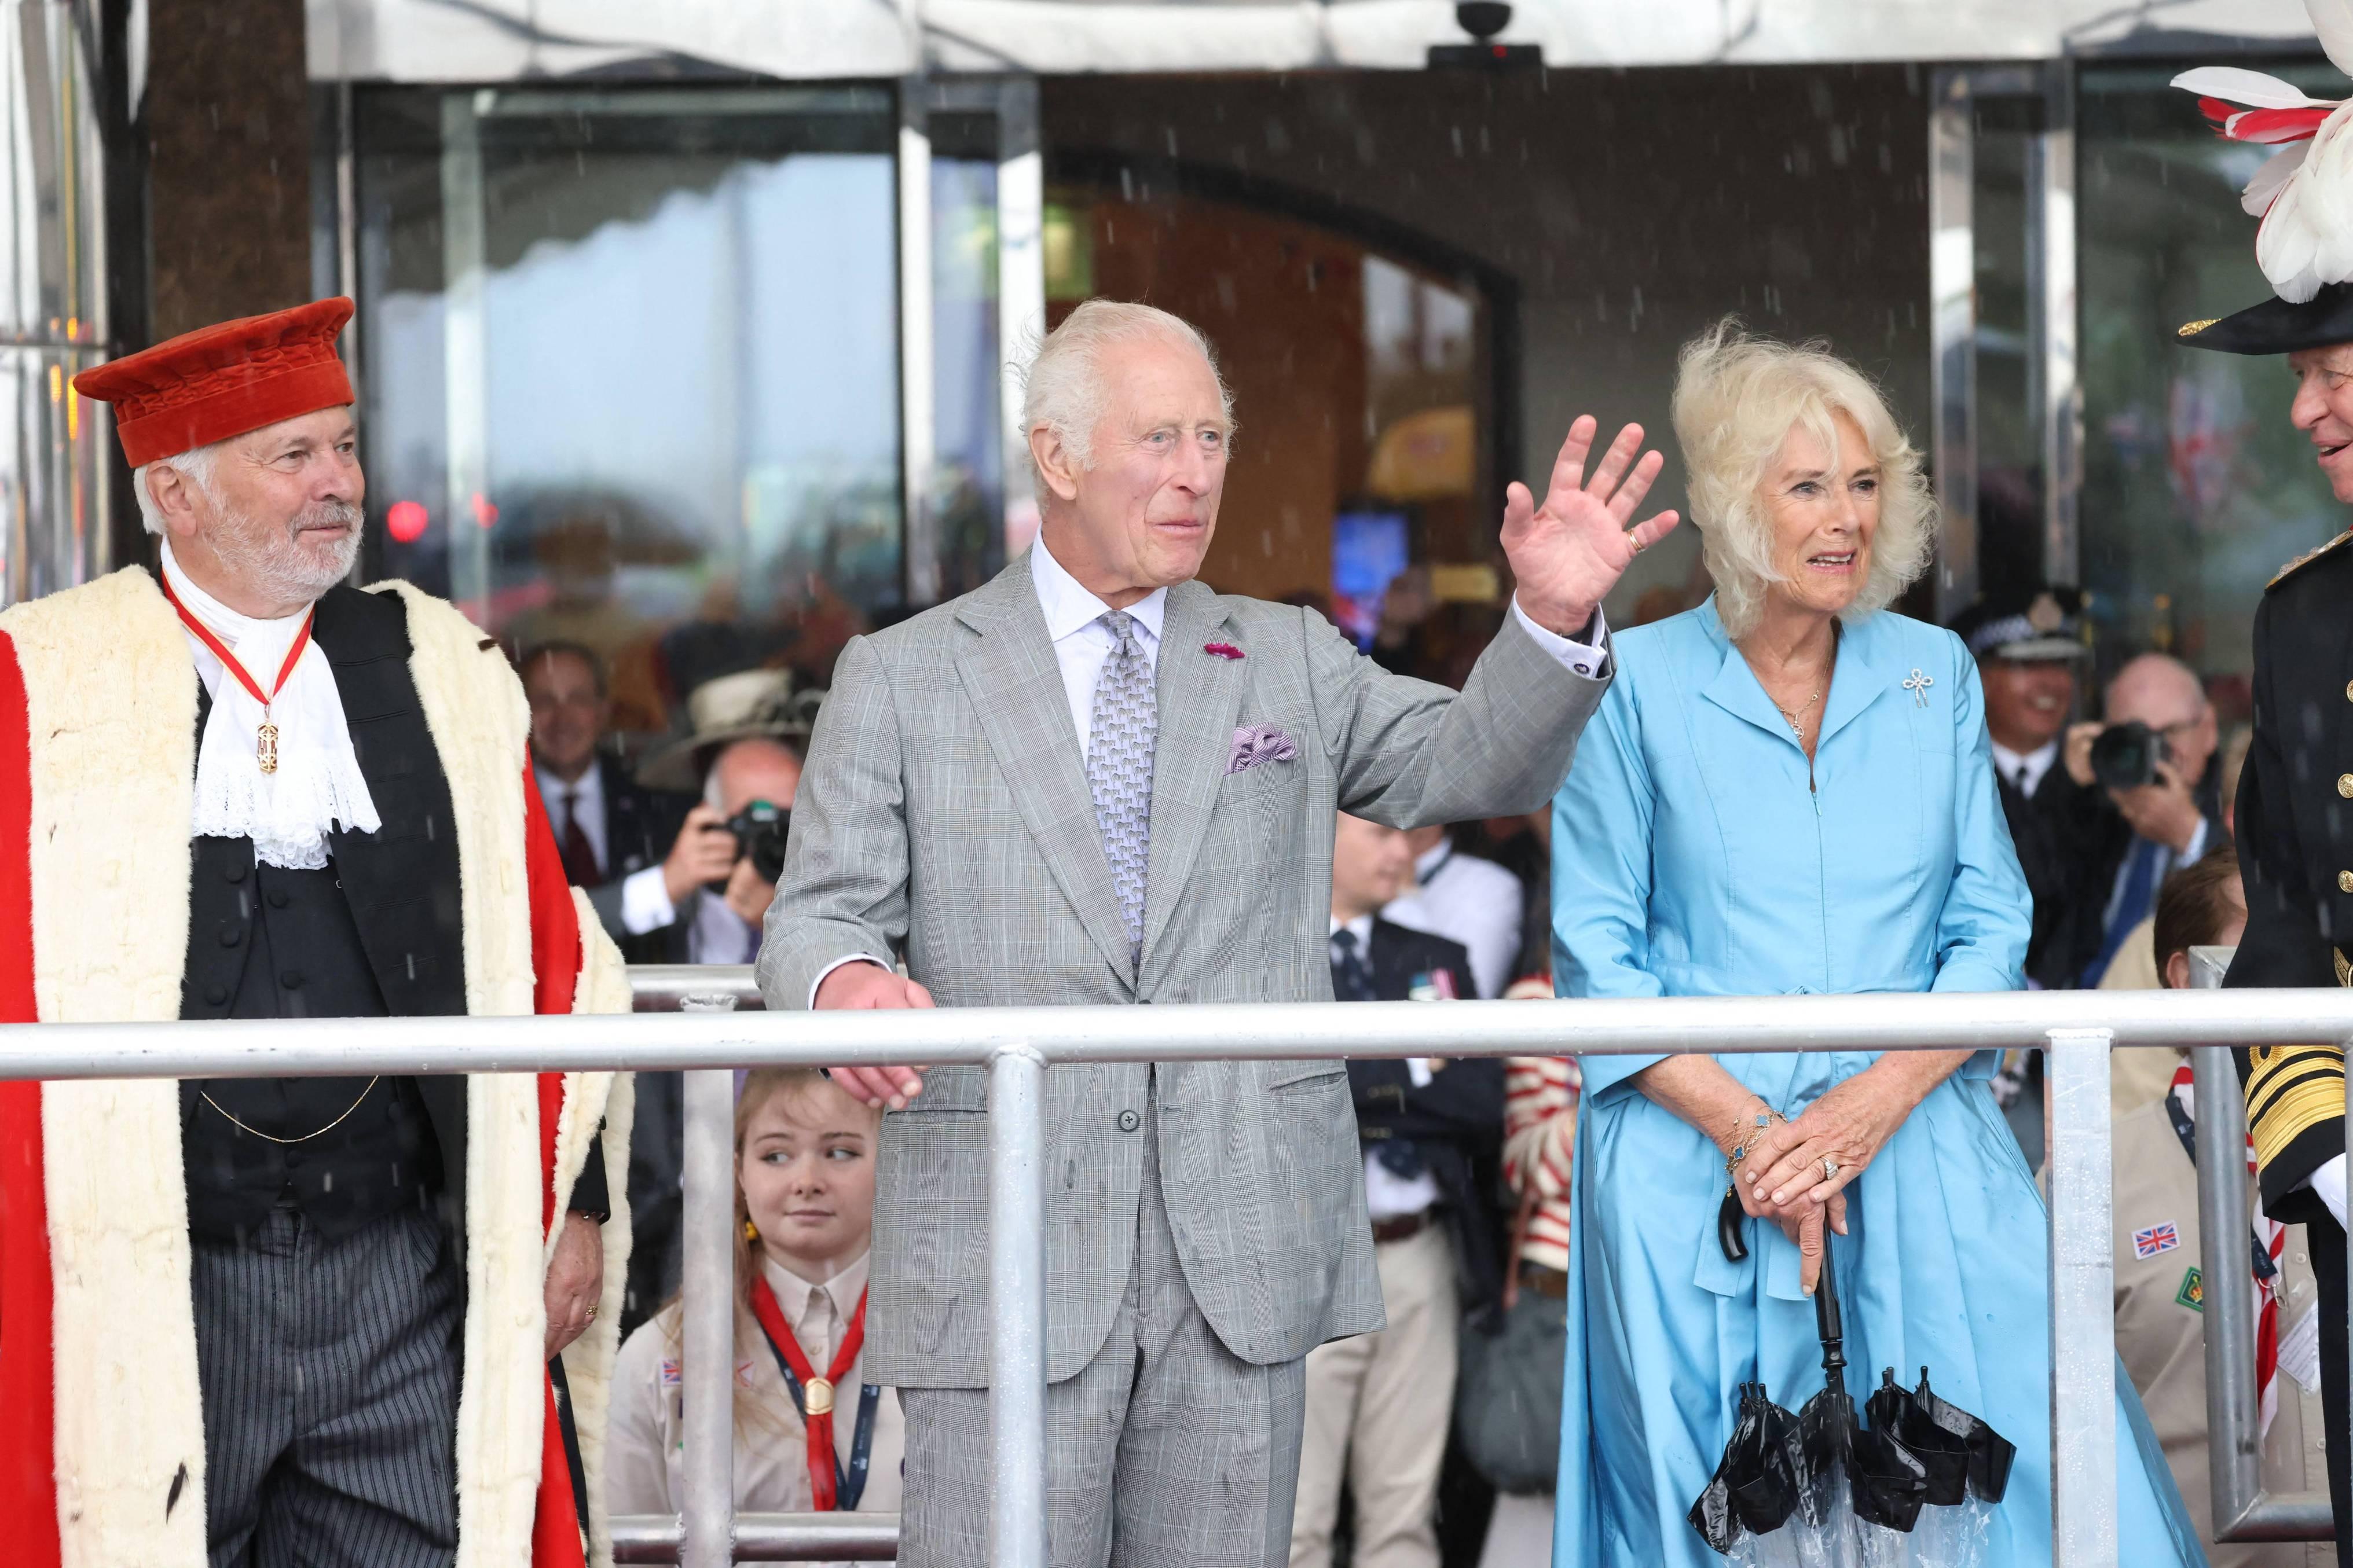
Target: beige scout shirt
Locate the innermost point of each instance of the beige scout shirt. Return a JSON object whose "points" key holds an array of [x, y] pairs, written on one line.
{"points": [[2162, 1331], [645, 1453]]}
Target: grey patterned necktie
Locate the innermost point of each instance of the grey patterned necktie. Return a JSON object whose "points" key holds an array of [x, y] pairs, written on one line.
{"points": [[1121, 735]]}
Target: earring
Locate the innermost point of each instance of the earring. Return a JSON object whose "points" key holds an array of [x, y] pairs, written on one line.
{"points": [[751, 1231]]}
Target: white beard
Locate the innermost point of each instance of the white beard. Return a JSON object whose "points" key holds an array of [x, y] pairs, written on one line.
{"points": [[283, 571]]}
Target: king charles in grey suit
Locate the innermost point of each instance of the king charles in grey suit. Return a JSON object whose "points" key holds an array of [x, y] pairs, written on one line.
{"points": [[1096, 780]]}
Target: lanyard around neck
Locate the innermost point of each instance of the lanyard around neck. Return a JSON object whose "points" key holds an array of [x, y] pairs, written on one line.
{"points": [[831, 1487], [265, 737]]}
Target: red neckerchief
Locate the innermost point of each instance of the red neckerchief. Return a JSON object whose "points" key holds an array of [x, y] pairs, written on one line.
{"points": [[816, 1413], [229, 660]]}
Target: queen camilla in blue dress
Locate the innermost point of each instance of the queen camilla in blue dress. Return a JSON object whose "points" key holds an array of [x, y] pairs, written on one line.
{"points": [[1787, 791]]}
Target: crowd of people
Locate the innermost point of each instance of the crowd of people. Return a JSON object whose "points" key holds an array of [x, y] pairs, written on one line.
{"points": [[1394, 1313]]}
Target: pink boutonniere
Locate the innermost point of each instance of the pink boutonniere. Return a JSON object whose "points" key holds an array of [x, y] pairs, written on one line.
{"points": [[1222, 649]]}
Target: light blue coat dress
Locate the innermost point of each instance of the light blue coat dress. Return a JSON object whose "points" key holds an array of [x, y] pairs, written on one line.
{"points": [[1690, 858]]}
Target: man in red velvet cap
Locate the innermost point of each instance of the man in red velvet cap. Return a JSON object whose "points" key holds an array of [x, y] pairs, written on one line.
{"points": [[289, 1320]]}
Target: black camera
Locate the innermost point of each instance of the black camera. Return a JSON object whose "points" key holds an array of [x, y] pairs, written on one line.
{"points": [[2124, 756], [759, 829]]}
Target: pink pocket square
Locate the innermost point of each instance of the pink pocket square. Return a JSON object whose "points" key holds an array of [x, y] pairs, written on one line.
{"points": [[1256, 744]]}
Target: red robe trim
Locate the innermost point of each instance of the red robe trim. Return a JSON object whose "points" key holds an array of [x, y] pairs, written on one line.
{"points": [[28, 1496], [28, 1491]]}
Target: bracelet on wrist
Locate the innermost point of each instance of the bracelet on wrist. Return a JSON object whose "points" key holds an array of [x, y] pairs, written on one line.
{"points": [[1747, 1132]]}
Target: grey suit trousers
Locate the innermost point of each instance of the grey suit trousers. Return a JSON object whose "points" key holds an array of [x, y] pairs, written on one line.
{"points": [[330, 1377], [1166, 1448]]}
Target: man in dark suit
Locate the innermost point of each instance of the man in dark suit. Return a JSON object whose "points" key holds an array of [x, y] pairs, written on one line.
{"points": [[2030, 651], [1380, 1405], [630, 847]]}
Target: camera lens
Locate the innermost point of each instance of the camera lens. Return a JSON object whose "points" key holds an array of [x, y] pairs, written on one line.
{"points": [[2124, 756]]}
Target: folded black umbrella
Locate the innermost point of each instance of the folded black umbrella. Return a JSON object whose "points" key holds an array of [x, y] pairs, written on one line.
{"points": [[1850, 1475], [1754, 1486]]}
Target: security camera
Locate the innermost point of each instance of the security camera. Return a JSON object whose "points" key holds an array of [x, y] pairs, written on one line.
{"points": [[1482, 19]]}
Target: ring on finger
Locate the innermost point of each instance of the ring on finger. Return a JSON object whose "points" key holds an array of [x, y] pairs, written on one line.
{"points": [[1830, 1169]]}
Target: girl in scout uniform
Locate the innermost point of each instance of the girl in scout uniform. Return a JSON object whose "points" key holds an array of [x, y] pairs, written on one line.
{"points": [[810, 1434]]}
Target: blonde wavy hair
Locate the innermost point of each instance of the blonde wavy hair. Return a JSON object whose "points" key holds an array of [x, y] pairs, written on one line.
{"points": [[1738, 398]]}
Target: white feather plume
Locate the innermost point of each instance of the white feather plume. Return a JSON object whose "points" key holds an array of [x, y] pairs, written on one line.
{"points": [[2333, 20], [2307, 238], [2249, 89], [2265, 185]]}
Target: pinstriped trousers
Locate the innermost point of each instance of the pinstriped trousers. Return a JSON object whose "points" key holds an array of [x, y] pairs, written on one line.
{"points": [[1168, 1450], [329, 1375]]}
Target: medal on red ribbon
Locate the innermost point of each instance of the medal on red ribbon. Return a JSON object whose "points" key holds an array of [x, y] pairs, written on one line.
{"points": [[265, 739], [829, 1486]]}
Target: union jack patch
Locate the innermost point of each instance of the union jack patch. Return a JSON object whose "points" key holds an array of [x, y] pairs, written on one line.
{"points": [[669, 1374], [2157, 1238]]}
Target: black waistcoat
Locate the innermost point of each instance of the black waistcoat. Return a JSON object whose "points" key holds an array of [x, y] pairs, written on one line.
{"points": [[378, 933]]}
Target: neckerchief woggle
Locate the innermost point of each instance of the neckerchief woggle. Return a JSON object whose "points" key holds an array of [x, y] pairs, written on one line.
{"points": [[832, 1486]]}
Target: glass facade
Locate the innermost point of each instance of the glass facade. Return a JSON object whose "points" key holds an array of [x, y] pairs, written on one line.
{"points": [[631, 366], [631, 356], [57, 464], [2196, 487]]}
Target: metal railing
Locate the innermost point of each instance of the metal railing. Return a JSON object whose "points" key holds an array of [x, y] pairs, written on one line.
{"points": [[1018, 1044], [2243, 1510]]}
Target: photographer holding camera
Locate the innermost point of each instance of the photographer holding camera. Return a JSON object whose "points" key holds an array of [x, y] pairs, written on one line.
{"points": [[2152, 759], [745, 759]]}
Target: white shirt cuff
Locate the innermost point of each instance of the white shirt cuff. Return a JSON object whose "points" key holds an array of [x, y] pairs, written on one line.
{"points": [[837, 963], [2329, 1183], [2195, 852], [645, 902], [1588, 660]]}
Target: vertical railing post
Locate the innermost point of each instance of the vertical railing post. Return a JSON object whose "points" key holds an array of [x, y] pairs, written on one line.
{"points": [[2235, 1449], [707, 1301], [1016, 1307], [2082, 1303]]}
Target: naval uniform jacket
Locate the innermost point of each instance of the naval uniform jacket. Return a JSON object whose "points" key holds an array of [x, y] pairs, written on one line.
{"points": [[2296, 854], [2295, 859]]}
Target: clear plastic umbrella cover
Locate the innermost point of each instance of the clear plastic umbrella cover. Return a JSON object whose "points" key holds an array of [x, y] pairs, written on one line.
{"points": [[1916, 1488]]}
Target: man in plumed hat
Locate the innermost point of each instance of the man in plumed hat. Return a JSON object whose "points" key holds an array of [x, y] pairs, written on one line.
{"points": [[2295, 817], [303, 1320]]}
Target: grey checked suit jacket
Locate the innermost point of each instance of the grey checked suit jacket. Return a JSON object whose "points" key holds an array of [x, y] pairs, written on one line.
{"points": [[944, 812]]}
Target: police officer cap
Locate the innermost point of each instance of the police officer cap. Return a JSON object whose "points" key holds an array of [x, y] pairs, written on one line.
{"points": [[2024, 624]]}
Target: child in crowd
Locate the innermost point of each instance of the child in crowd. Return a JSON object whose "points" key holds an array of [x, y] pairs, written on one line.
{"points": [[803, 1215], [2162, 1259]]}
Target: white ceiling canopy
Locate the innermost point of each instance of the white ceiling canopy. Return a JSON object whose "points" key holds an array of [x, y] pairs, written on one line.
{"points": [[508, 40]]}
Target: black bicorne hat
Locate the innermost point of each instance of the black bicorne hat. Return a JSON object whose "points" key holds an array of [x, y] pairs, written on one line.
{"points": [[2278, 326]]}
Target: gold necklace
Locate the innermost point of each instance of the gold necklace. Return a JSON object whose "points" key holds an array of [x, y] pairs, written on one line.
{"points": [[1796, 727], [306, 1137]]}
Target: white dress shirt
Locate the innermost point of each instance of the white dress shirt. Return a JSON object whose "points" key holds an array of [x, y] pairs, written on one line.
{"points": [[1388, 1195], [645, 896], [581, 801], [720, 935], [1465, 899], [1082, 644], [2025, 770]]}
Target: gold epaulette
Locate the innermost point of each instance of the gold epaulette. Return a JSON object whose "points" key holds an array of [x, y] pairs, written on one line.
{"points": [[2290, 1090], [2306, 559]]}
